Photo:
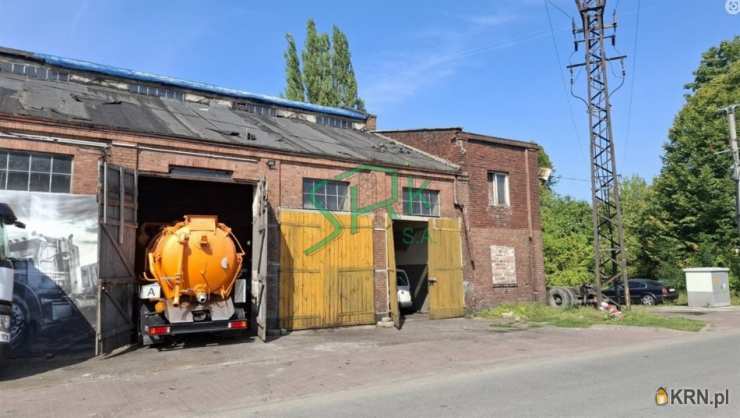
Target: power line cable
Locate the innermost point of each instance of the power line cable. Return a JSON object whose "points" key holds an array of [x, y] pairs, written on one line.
{"points": [[560, 9], [581, 144], [632, 82]]}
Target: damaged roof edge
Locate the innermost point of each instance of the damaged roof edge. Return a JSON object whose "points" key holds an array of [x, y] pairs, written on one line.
{"points": [[432, 156], [451, 170], [471, 135], [81, 65]]}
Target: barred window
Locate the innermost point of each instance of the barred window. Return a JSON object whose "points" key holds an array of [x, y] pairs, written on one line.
{"points": [[35, 172], [420, 202], [325, 194]]}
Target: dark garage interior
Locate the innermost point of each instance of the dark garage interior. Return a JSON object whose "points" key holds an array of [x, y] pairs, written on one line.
{"points": [[164, 201], [410, 239]]}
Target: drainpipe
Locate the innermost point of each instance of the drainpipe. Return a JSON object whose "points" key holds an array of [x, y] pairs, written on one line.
{"points": [[535, 284]]}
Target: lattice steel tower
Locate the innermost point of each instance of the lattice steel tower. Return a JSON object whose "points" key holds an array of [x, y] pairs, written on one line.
{"points": [[609, 251]]}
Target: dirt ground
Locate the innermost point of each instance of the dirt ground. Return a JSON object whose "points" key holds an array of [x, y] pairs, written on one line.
{"points": [[203, 376]]}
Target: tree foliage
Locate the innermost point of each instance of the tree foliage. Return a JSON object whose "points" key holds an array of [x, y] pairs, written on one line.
{"points": [[343, 74], [567, 238], [636, 195], [687, 216], [691, 219], [327, 76], [317, 67], [294, 89], [716, 61]]}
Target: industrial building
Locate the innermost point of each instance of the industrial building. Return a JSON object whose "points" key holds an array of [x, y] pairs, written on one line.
{"points": [[503, 233], [327, 209]]}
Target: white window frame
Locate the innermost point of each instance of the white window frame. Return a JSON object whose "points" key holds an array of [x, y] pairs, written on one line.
{"points": [[408, 208], [326, 182], [493, 189]]}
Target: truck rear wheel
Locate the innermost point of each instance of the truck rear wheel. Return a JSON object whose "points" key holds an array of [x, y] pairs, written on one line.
{"points": [[147, 317], [559, 297]]}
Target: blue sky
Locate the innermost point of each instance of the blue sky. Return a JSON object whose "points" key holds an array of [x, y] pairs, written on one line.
{"points": [[490, 67]]}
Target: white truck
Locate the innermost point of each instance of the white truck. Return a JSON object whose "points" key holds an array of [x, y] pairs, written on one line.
{"points": [[7, 217]]}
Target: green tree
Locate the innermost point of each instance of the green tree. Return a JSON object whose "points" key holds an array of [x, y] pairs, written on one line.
{"points": [[635, 197], [343, 75], [691, 221], [716, 61], [327, 77], [566, 234], [294, 79], [567, 238], [317, 67]]}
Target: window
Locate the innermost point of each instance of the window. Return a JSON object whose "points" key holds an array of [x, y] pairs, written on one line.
{"points": [[420, 202], [35, 172], [325, 194], [333, 122], [499, 188], [637, 285]]}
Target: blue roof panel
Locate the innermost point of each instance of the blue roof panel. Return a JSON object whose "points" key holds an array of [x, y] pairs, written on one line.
{"points": [[81, 65]]}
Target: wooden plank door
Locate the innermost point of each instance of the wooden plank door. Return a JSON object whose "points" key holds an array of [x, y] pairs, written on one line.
{"points": [[446, 296], [260, 227], [333, 285], [117, 199], [390, 257]]}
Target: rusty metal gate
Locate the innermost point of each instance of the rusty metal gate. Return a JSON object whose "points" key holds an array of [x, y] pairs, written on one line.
{"points": [[333, 285], [117, 198]]}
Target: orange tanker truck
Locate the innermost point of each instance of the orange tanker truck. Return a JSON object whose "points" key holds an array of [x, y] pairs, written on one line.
{"points": [[191, 273]]}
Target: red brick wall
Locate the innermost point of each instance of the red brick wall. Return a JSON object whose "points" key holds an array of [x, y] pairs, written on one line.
{"points": [[84, 160], [284, 180], [487, 225]]}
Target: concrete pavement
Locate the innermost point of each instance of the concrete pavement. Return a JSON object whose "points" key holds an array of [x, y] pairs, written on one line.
{"points": [[203, 377], [617, 383]]}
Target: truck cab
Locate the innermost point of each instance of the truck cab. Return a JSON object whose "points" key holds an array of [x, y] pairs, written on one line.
{"points": [[7, 218]]}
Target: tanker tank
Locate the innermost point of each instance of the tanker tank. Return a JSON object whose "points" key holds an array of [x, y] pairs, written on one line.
{"points": [[192, 267]]}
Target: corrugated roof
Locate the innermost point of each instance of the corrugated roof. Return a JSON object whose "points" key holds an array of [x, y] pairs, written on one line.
{"points": [[92, 105], [80, 65]]}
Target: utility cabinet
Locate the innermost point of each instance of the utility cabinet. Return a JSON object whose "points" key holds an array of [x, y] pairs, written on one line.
{"points": [[708, 286]]}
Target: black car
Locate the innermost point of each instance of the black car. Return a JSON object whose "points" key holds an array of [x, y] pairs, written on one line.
{"points": [[643, 291]]}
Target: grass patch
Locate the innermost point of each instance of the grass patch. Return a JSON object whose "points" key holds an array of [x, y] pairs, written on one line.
{"points": [[525, 315]]}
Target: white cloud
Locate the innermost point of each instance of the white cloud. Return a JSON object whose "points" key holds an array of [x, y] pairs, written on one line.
{"points": [[438, 53], [397, 77]]}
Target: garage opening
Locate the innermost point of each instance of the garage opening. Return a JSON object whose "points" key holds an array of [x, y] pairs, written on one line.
{"points": [[410, 240], [164, 201]]}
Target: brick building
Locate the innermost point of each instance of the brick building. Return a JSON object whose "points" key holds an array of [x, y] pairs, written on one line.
{"points": [[329, 210], [503, 243]]}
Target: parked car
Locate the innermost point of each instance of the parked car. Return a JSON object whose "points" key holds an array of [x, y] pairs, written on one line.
{"points": [[404, 289], [643, 291]]}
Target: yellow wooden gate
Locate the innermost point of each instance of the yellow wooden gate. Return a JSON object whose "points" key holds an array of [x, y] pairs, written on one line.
{"points": [[332, 286], [446, 297]]}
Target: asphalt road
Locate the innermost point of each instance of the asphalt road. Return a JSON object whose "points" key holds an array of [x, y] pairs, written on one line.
{"points": [[620, 382]]}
